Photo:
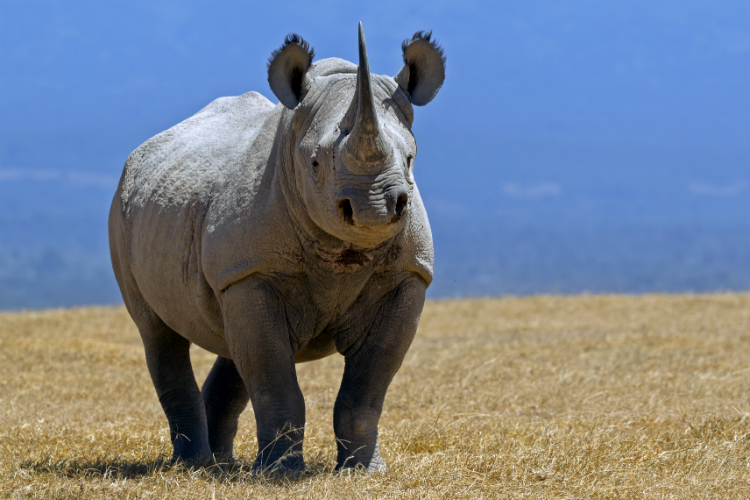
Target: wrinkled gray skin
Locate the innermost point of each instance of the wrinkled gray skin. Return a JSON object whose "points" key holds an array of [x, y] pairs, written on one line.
{"points": [[274, 235]]}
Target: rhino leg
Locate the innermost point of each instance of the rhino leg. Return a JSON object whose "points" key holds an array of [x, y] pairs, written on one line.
{"points": [[259, 340], [225, 398], [168, 360], [369, 369], [167, 357]]}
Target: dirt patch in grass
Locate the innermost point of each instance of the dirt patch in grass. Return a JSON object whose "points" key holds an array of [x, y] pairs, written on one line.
{"points": [[538, 397]]}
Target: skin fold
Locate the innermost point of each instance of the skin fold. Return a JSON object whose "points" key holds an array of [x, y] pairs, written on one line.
{"points": [[274, 235]]}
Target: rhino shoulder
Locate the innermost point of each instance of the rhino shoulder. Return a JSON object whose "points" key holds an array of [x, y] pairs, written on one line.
{"points": [[201, 148], [248, 109]]}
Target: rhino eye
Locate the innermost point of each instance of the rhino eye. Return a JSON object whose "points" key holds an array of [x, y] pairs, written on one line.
{"points": [[315, 169]]}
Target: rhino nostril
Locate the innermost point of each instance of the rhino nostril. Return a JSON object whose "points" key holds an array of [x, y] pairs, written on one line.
{"points": [[401, 205], [345, 209]]}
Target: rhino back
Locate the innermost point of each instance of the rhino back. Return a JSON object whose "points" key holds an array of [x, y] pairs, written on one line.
{"points": [[199, 150], [166, 191]]}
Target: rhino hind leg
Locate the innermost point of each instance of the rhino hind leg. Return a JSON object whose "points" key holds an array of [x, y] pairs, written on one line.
{"points": [[225, 397], [167, 357], [168, 360]]}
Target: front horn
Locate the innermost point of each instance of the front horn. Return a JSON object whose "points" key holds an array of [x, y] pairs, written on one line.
{"points": [[366, 144]]}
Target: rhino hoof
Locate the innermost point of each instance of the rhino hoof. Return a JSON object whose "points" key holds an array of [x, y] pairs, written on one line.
{"points": [[225, 458], [377, 464], [195, 460]]}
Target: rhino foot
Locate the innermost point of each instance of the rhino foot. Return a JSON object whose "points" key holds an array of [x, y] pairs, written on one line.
{"points": [[377, 464], [195, 458], [291, 464], [225, 458], [351, 464]]}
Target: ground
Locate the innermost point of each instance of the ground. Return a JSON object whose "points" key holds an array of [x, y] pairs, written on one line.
{"points": [[538, 397]]}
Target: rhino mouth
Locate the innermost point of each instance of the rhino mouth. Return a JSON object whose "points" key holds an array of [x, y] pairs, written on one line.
{"points": [[353, 258], [349, 257]]}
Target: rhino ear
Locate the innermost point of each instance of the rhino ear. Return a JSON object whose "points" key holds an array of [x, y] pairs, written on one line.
{"points": [[287, 67], [424, 68]]}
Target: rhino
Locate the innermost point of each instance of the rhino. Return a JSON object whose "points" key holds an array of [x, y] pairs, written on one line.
{"points": [[272, 235]]}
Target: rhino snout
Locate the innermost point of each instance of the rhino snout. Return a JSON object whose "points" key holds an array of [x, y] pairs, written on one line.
{"points": [[359, 210]]}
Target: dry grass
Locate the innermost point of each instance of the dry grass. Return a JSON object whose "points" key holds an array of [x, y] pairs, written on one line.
{"points": [[541, 397]]}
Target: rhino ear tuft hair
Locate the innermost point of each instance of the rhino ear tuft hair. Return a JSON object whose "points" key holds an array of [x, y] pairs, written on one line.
{"points": [[287, 67], [424, 67]]}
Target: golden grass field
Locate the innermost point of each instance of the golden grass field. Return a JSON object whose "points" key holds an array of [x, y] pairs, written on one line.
{"points": [[539, 397]]}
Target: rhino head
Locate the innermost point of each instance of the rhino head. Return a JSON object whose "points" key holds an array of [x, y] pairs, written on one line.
{"points": [[350, 143]]}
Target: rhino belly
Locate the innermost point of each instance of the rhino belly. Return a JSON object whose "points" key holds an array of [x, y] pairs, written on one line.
{"points": [[165, 262]]}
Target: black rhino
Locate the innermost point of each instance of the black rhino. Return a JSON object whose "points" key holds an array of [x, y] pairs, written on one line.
{"points": [[274, 235]]}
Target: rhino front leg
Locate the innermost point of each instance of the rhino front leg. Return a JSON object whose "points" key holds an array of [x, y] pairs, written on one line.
{"points": [[225, 398], [168, 360], [369, 368], [260, 342]]}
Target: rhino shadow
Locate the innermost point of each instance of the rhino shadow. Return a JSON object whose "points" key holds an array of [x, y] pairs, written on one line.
{"points": [[116, 468]]}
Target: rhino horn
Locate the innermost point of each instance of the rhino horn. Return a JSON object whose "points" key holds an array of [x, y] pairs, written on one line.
{"points": [[366, 144]]}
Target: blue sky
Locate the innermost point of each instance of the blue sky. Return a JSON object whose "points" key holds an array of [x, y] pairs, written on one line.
{"points": [[553, 113], [84, 83]]}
